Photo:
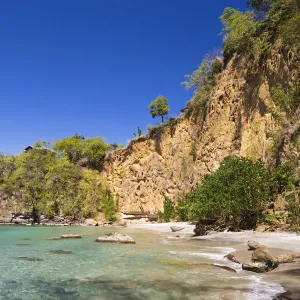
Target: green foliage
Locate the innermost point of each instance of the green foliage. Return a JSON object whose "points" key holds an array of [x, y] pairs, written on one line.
{"points": [[169, 212], [181, 210], [254, 31], [203, 80], [85, 152], [159, 107], [206, 74], [235, 195], [43, 183], [139, 132], [288, 100], [293, 206], [243, 34], [282, 177], [109, 208]]}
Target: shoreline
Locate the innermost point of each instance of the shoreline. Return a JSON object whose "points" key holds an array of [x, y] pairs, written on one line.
{"points": [[287, 275]]}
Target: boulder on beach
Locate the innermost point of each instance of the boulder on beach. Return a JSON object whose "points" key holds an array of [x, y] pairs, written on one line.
{"points": [[115, 238], [90, 222], [176, 228], [70, 236], [253, 245]]}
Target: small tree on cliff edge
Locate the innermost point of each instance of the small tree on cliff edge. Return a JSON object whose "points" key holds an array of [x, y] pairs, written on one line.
{"points": [[159, 107]]}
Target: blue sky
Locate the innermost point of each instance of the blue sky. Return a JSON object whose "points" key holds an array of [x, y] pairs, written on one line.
{"points": [[93, 66]]}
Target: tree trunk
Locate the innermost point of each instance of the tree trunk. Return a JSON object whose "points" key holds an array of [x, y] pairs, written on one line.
{"points": [[162, 119]]}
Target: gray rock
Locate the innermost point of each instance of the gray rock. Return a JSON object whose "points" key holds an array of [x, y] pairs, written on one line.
{"points": [[253, 245], [20, 221], [122, 223], [90, 222], [5, 220], [115, 238], [176, 228]]}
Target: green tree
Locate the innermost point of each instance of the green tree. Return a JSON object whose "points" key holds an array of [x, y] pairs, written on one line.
{"points": [[93, 152], [233, 196], [27, 182], [70, 147], [159, 107]]}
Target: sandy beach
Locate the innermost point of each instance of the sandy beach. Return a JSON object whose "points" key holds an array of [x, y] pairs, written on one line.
{"points": [[287, 275]]}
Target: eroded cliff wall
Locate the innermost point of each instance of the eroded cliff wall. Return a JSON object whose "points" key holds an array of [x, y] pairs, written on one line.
{"points": [[238, 122]]}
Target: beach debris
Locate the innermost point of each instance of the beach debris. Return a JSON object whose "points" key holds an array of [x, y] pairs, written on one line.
{"points": [[70, 236], [231, 257], [176, 228], [115, 238]]}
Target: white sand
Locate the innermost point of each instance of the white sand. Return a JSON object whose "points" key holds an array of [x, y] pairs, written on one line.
{"points": [[282, 240]]}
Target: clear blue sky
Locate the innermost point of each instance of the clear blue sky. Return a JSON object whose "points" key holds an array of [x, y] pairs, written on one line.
{"points": [[93, 66]]}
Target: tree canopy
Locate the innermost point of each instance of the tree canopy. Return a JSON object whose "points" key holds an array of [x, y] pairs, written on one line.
{"points": [[159, 107]]}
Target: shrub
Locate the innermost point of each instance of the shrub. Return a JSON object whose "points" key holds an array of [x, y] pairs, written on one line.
{"points": [[286, 99], [234, 196], [168, 212], [293, 206]]}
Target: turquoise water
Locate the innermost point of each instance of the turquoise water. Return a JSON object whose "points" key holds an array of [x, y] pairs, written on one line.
{"points": [[157, 267]]}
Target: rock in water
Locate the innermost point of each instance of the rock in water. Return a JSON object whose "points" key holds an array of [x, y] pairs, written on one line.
{"points": [[253, 245], [232, 258], [70, 236], [263, 255], [176, 228], [115, 238], [60, 252], [255, 267], [286, 258], [262, 261], [29, 258]]}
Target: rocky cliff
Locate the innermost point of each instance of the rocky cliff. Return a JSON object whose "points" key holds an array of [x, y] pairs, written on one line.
{"points": [[240, 120]]}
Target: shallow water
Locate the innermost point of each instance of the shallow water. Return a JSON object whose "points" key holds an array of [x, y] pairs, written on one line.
{"points": [[158, 267]]}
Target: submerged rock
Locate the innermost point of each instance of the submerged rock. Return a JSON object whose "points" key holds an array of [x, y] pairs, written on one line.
{"points": [[70, 236], [60, 252], [29, 258], [115, 238], [176, 228], [225, 268]]}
